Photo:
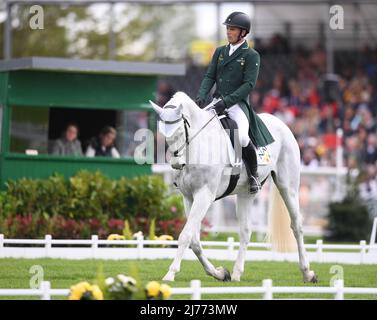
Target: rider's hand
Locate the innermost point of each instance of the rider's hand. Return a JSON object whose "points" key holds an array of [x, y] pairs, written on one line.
{"points": [[220, 107], [200, 102]]}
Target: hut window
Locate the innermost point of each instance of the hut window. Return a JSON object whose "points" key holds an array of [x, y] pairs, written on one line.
{"points": [[28, 130], [128, 122]]}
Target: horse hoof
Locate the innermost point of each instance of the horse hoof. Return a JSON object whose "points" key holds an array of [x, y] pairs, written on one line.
{"points": [[311, 277], [222, 274], [314, 279], [227, 276]]}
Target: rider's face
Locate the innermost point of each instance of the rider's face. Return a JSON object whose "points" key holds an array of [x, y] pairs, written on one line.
{"points": [[232, 34]]}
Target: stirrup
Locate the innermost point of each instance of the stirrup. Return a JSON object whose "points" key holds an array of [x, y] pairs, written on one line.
{"points": [[255, 185]]}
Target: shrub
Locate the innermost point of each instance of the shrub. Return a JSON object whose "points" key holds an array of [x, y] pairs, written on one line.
{"points": [[349, 219], [88, 203]]}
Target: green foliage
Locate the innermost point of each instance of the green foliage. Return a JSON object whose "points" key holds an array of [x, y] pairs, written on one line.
{"points": [[88, 203], [349, 219], [89, 195], [127, 233], [78, 32], [152, 229]]}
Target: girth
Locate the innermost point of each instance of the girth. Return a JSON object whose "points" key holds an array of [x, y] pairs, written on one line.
{"points": [[230, 127]]}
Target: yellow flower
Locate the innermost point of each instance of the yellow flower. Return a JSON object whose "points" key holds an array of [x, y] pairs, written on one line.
{"points": [[78, 290], [153, 289], [97, 293], [165, 237], [166, 291], [115, 236]]}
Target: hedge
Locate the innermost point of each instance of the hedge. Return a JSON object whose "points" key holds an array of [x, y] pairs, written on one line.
{"points": [[87, 203]]}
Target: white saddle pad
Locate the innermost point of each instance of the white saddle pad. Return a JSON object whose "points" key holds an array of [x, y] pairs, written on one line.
{"points": [[263, 155]]}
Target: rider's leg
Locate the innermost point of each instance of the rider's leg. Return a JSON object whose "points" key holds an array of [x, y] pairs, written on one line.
{"points": [[248, 151], [235, 112]]}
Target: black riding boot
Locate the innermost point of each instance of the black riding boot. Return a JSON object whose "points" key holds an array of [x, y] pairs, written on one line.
{"points": [[249, 157]]}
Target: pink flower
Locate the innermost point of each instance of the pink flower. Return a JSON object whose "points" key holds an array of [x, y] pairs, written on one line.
{"points": [[173, 209]]}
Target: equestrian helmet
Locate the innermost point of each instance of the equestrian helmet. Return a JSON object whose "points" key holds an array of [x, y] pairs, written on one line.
{"points": [[239, 20]]}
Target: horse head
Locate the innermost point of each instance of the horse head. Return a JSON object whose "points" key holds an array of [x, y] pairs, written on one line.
{"points": [[171, 124]]}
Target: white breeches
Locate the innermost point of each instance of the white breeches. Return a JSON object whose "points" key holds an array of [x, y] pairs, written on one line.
{"points": [[235, 112]]}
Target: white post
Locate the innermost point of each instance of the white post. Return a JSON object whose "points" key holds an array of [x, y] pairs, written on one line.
{"points": [[230, 247], [48, 245], [339, 285], [195, 286], [45, 288], [363, 250], [267, 285], [140, 246], [372, 235], [94, 246], [339, 162], [1, 245], [319, 250]]}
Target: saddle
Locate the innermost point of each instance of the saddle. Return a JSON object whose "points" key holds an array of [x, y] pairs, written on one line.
{"points": [[263, 156], [230, 127]]}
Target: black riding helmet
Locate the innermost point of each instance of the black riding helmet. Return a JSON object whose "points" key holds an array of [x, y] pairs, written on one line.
{"points": [[239, 20]]}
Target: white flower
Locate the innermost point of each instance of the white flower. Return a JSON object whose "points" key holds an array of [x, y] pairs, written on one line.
{"points": [[137, 234], [126, 280], [109, 281]]}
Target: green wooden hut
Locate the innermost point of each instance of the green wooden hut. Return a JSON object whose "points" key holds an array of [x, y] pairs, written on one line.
{"points": [[39, 96]]}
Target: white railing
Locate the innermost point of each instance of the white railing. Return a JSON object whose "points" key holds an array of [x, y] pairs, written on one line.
{"points": [[196, 290], [268, 290], [162, 249], [44, 292]]}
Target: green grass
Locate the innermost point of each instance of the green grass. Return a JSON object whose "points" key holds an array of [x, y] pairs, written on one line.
{"points": [[14, 273]]}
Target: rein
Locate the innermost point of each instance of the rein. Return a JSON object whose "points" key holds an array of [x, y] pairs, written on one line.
{"points": [[186, 123]]}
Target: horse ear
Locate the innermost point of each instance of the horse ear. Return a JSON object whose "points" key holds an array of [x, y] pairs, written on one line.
{"points": [[156, 107]]}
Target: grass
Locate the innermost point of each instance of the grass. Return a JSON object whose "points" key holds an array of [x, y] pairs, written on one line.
{"points": [[14, 273]]}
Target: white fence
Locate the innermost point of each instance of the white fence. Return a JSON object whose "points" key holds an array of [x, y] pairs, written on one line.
{"points": [[267, 290], [140, 248]]}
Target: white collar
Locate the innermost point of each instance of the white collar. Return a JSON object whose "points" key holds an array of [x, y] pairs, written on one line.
{"points": [[236, 46]]}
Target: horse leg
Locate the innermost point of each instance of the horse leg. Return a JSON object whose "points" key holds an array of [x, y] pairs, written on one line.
{"points": [[289, 189], [218, 273], [201, 202], [244, 203]]}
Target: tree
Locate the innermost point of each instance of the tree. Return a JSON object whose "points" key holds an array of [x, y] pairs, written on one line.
{"points": [[142, 32]]}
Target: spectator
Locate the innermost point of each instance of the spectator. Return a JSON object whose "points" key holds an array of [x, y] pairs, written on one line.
{"points": [[103, 145], [68, 144]]}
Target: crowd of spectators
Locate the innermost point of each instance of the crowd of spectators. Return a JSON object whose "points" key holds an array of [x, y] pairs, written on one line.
{"points": [[300, 100]]}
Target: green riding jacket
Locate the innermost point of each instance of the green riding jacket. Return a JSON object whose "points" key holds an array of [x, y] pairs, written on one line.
{"points": [[235, 76]]}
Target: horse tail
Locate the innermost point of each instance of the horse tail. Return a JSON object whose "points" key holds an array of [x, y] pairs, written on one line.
{"points": [[279, 232]]}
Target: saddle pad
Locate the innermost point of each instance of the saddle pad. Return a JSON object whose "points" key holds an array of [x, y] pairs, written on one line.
{"points": [[263, 153]]}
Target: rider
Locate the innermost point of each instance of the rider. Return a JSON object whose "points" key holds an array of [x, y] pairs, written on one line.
{"points": [[234, 69]]}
